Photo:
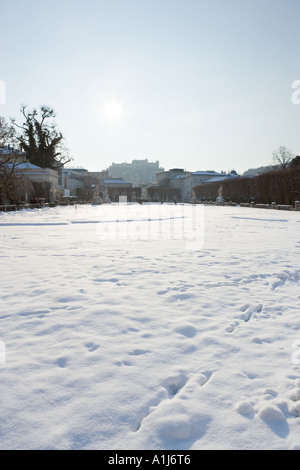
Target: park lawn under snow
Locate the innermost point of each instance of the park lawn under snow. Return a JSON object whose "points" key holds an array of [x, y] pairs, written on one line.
{"points": [[141, 343]]}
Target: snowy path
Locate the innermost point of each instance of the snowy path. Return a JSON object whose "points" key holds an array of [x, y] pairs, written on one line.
{"points": [[142, 344]]}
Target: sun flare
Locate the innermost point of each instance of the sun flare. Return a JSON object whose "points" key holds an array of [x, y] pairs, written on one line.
{"points": [[112, 111]]}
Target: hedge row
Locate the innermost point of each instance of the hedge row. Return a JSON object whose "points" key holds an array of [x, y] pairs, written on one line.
{"points": [[281, 187]]}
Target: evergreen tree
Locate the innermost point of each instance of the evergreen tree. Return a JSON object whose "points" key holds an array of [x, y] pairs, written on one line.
{"points": [[295, 162], [40, 139]]}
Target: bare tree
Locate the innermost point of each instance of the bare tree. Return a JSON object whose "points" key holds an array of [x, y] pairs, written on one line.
{"points": [[282, 157], [10, 158]]}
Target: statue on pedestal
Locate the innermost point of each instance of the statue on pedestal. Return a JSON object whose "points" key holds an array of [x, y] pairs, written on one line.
{"points": [[220, 199]]}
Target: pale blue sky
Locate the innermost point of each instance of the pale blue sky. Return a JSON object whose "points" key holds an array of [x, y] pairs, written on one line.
{"points": [[202, 84]]}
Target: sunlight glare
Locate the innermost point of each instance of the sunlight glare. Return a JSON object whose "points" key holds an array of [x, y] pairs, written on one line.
{"points": [[112, 111]]}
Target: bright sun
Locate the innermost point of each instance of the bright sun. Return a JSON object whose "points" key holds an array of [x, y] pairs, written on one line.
{"points": [[112, 111]]}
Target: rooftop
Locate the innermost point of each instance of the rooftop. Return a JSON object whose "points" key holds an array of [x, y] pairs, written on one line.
{"points": [[176, 177], [7, 149], [28, 166], [208, 172], [115, 181]]}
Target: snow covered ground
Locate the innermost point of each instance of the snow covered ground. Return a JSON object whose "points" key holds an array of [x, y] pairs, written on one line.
{"points": [[125, 342]]}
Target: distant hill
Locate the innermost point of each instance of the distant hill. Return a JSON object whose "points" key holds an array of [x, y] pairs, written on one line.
{"points": [[257, 171]]}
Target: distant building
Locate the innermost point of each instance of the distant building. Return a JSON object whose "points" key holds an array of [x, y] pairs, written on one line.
{"points": [[164, 178], [9, 155], [178, 184], [76, 181], [116, 187], [34, 174], [199, 177], [29, 176], [139, 172], [167, 186], [71, 179]]}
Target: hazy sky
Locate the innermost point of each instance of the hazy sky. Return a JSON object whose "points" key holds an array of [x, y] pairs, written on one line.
{"points": [[194, 84]]}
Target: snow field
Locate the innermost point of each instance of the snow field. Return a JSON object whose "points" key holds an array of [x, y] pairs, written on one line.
{"points": [[143, 343]]}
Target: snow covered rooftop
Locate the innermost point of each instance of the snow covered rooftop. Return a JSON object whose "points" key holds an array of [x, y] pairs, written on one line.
{"points": [[218, 178], [28, 166], [115, 181], [6, 150], [24, 166], [206, 173], [178, 176]]}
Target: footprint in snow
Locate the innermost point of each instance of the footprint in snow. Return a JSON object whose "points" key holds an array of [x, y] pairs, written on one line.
{"points": [[172, 385], [247, 313], [189, 331], [62, 362], [178, 426], [91, 346], [139, 352], [123, 363]]}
